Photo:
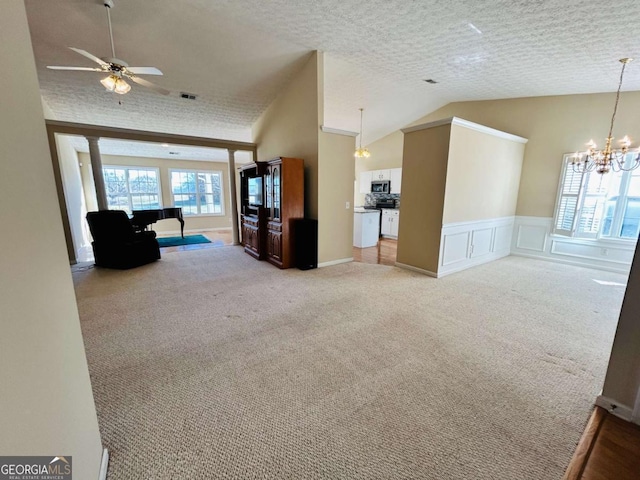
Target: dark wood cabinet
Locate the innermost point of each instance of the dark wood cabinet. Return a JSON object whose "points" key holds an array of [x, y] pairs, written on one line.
{"points": [[253, 216], [267, 223], [284, 182]]}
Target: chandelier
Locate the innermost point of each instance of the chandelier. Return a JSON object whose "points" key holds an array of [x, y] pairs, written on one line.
{"points": [[602, 161], [361, 152]]}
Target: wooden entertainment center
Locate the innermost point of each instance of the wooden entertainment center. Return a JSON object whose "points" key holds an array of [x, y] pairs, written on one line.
{"points": [[272, 197]]}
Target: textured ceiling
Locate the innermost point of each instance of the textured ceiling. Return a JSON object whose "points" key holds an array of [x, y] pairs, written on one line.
{"points": [[237, 55]]}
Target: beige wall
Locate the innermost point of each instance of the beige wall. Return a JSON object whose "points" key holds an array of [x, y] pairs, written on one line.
{"points": [[335, 225], [46, 404], [483, 175], [164, 165], [386, 153], [289, 127], [424, 172], [554, 126]]}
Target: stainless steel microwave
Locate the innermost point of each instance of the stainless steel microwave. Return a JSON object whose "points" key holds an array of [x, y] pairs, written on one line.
{"points": [[381, 186]]}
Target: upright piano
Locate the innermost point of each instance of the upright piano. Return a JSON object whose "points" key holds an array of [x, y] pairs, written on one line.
{"points": [[141, 219]]}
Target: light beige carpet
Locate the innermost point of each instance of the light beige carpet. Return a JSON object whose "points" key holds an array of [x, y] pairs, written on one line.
{"points": [[209, 364]]}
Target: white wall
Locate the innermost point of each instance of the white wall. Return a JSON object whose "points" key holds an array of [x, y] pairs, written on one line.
{"points": [[622, 382], [46, 403], [74, 198]]}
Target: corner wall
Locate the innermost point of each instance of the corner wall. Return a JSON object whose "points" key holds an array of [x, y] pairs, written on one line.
{"points": [[335, 220], [46, 406], [554, 126], [483, 175], [289, 128], [424, 173]]}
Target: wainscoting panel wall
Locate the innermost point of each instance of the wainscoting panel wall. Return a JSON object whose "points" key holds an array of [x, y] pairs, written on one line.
{"points": [[532, 238], [467, 244]]}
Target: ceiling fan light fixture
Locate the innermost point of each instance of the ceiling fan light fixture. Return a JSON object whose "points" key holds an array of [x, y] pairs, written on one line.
{"points": [[109, 82], [115, 84], [122, 87]]}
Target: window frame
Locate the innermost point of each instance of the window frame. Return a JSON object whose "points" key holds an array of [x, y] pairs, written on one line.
{"points": [[618, 216], [196, 172], [126, 168]]}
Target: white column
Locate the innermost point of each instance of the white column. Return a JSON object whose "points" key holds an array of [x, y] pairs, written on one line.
{"points": [[96, 168], [234, 199]]}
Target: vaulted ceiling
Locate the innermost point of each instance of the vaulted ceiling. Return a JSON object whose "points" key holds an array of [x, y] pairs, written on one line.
{"points": [[236, 55]]}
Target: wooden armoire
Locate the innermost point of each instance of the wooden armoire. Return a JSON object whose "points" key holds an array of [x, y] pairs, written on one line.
{"points": [[267, 225]]}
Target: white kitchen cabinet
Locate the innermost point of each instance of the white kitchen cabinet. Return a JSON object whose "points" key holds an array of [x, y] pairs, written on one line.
{"points": [[366, 224], [380, 175], [390, 222], [365, 181], [396, 180]]}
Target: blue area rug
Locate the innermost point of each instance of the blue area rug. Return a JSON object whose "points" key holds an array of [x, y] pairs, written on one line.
{"points": [[179, 241]]}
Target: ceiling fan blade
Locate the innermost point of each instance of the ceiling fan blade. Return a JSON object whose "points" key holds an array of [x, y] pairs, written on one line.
{"points": [[144, 70], [152, 86], [90, 56], [81, 69]]}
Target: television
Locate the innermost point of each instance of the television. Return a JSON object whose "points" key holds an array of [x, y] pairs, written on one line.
{"points": [[255, 191]]}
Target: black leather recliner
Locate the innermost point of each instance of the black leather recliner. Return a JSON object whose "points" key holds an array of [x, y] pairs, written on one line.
{"points": [[116, 244]]}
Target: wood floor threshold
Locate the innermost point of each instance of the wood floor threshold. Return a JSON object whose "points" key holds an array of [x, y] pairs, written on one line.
{"points": [[585, 445]]}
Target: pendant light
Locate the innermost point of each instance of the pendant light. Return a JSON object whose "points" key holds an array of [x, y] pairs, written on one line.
{"points": [[361, 152]]}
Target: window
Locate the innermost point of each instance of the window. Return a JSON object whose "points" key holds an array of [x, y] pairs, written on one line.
{"points": [[132, 188], [197, 192], [591, 205]]}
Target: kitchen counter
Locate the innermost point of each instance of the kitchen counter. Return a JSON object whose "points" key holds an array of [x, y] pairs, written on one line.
{"points": [[365, 210]]}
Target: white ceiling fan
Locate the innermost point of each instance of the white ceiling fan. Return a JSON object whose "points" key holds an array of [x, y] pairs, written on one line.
{"points": [[116, 69]]}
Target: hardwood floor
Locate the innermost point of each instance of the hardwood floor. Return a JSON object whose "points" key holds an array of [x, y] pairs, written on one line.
{"points": [[384, 253], [608, 450]]}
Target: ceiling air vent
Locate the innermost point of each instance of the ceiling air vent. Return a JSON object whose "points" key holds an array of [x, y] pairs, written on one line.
{"points": [[431, 81], [188, 96]]}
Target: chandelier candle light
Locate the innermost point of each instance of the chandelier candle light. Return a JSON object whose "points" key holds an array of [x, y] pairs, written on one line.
{"points": [[602, 161], [361, 152]]}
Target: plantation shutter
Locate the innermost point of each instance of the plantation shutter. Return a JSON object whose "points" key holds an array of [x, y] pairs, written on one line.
{"points": [[567, 205], [592, 203]]}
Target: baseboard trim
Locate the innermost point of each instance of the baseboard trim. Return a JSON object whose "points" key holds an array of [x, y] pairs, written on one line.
{"points": [[335, 262], [416, 269], [104, 465], [585, 446], [624, 271], [191, 230], [491, 257], [615, 408]]}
